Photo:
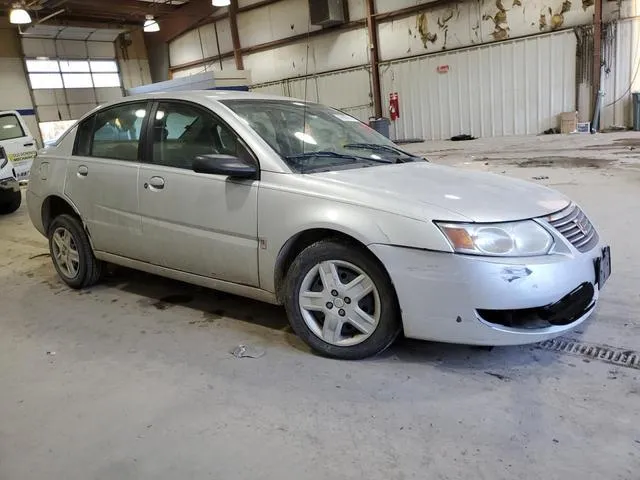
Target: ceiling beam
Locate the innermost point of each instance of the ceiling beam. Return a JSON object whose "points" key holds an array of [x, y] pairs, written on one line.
{"points": [[182, 19]]}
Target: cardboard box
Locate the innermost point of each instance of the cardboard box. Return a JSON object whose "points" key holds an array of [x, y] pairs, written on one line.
{"points": [[568, 122]]}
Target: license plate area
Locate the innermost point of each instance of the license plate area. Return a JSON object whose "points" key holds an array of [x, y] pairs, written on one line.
{"points": [[603, 267]]}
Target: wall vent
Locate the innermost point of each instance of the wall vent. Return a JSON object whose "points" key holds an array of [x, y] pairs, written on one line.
{"points": [[328, 13]]}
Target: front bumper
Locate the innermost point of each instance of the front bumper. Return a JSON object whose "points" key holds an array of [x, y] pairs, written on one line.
{"points": [[442, 294], [9, 186]]}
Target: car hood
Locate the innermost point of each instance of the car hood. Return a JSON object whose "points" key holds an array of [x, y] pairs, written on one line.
{"points": [[478, 196]]}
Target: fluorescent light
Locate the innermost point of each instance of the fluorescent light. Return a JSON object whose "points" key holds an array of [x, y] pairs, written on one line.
{"points": [[141, 113], [150, 25], [220, 3], [18, 15]]}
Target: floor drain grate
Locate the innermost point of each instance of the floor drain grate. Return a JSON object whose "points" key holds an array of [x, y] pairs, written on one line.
{"points": [[617, 356]]}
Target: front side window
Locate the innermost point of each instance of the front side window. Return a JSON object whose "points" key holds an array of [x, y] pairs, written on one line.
{"points": [[112, 133], [10, 127], [181, 132], [313, 138]]}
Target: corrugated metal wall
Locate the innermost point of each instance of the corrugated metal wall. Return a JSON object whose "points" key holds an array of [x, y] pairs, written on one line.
{"points": [[347, 90], [620, 76], [508, 88]]}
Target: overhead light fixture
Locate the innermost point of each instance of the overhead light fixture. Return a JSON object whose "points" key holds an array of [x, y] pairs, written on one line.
{"points": [[18, 15], [150, 25], [220, 3]]}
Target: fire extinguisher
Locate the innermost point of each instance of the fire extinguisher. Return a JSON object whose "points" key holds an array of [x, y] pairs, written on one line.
{"points": [[394, 106]]}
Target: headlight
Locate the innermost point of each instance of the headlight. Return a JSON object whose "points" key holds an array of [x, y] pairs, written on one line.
{"points": [[516, 239]]}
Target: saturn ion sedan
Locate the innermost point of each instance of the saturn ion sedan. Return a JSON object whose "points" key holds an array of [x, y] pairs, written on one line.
{"points": [[299, 204]]}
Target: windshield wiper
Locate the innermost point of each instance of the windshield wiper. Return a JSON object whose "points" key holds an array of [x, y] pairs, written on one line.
{"points": [[330, 154], [380, 148]]}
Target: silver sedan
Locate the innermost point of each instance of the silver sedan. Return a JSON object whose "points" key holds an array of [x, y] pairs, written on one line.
{"points": [[299, 204]]}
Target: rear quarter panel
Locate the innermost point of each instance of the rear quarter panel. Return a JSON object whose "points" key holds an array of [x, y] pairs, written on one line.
{"points": [[47, 177]]}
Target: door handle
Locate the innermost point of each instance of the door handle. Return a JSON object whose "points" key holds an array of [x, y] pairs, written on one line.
{"points": [[156, 183], [83, 171], [30, 144]]}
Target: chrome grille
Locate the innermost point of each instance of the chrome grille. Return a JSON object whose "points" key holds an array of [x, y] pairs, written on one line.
{"points": [[574, 225]]}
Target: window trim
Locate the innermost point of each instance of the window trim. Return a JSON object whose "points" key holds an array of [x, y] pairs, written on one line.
{"points": [[106, 108], [148, 151]]}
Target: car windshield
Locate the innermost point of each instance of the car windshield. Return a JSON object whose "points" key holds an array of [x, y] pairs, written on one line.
{"points": [[10, 127], [314, 138]]}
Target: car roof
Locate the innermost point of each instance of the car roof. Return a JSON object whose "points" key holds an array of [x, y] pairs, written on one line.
{"points": [[204, 95], [197, 96]]}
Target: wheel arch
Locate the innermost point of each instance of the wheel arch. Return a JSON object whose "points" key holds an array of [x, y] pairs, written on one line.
{"points": [[55, 205], [301, 240]]}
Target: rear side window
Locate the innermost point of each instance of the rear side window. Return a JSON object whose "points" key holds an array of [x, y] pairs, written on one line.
{"points": [[10, 127], [112, 133]]}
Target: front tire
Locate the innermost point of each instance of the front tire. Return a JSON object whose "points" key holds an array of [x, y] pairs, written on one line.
{"points": [[11, 204], [341, 302], [71, 253]]}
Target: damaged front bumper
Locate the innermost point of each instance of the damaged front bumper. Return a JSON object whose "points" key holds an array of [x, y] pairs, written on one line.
{"points": [[473, 300]]}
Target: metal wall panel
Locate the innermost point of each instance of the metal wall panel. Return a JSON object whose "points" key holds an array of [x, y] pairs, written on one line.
{"points": [[508, 88], [622, 77], [347, 90]]}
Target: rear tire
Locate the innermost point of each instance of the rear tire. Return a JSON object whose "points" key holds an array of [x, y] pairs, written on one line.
{"points": [[340, 301], [12, 203], [71, 253]]}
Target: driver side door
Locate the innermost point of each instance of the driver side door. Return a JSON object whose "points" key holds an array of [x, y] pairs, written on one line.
{"points": [[197, 223]]}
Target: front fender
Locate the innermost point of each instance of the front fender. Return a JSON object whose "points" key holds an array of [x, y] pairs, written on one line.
{"points": [[283, 214]]}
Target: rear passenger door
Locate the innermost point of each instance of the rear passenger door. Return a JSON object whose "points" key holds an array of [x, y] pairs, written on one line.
{"points": [[193, 222], [102, 177]]}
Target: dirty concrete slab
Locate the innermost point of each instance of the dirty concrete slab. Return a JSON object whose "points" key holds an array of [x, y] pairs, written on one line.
{"points": [[134, 378]]}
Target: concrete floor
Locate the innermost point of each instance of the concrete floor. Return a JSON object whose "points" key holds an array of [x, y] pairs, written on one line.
{"points": [[115, 383]]}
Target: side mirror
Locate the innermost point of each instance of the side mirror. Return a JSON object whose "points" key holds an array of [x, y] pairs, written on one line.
{"points": [[227, 165]]}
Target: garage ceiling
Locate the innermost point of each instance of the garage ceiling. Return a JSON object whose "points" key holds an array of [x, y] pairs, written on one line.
{"points": [[112, 11]]}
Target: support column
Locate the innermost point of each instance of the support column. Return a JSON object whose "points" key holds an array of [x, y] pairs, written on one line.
{"points": [[597, 61], [374, 58], [235, 36]]}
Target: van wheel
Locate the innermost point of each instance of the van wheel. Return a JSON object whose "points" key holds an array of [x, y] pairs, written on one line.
{"points": [[341, 302], [71, 253], [12, 204]]}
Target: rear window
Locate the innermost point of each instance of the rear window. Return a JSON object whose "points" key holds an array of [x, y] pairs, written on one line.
{"points": [[10, 127]]}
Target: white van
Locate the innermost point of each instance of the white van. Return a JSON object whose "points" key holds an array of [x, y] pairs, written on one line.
{"points": [[17, 151], [19, 145]]}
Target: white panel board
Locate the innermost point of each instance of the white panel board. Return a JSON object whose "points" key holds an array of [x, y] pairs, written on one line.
{"points": [[279, 20], [81, 95], [54, 113], [185, 48], [38, 47], [71, 49], [325, 53], [227, 64], [134, 72], [499, 89], [469, 23], [13, 85], [208, 35], [348, 90], [623, 77], [357, 9], [277, 88], [101, 49], [53, 96], [105, 95]]}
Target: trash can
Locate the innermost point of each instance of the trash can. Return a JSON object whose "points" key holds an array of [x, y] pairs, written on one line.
{"points": [[636, 111], [380, 125]]}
